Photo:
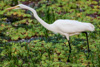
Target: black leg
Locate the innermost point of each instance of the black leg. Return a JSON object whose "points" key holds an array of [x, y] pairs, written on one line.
{"points": [[69, 46], [87, 41], [69, 50]]}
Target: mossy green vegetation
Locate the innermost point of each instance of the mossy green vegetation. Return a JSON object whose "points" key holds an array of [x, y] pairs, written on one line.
{"points": [[48, 49]]}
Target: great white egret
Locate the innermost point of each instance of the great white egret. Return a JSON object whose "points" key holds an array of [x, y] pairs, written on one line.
{"points": [[62, 26]]}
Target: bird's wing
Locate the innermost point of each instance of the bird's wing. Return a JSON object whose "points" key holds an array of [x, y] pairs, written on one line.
{"points": [[70, 26]]}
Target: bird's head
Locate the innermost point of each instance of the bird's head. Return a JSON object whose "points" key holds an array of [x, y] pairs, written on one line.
{"points": [[20, 6]]}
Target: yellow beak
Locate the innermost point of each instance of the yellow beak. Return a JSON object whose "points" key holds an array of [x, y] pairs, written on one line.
{"points": [[12, 8]]}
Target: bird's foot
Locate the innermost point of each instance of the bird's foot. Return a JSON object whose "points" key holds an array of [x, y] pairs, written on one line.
{"points": [[88, 53], [69, 51], [68, 60], [89, 50]]}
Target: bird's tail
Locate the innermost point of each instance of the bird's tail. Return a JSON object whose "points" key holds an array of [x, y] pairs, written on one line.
{"points": [[92, 27]]}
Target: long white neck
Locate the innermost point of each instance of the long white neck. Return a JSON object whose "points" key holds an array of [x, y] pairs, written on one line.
{"points": [[47, 26]]}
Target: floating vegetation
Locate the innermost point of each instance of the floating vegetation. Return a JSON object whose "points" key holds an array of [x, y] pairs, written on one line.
{"points": [[46, 49]]}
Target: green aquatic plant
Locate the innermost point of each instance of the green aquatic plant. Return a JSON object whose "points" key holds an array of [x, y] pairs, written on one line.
{"points": [[39, 52]]}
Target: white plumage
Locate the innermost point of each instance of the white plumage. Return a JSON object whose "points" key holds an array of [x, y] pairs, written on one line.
{"points": [[70, 27]]}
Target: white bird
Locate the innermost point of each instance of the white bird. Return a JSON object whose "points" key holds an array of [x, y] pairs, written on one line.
{"points": [[62, 26]]}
